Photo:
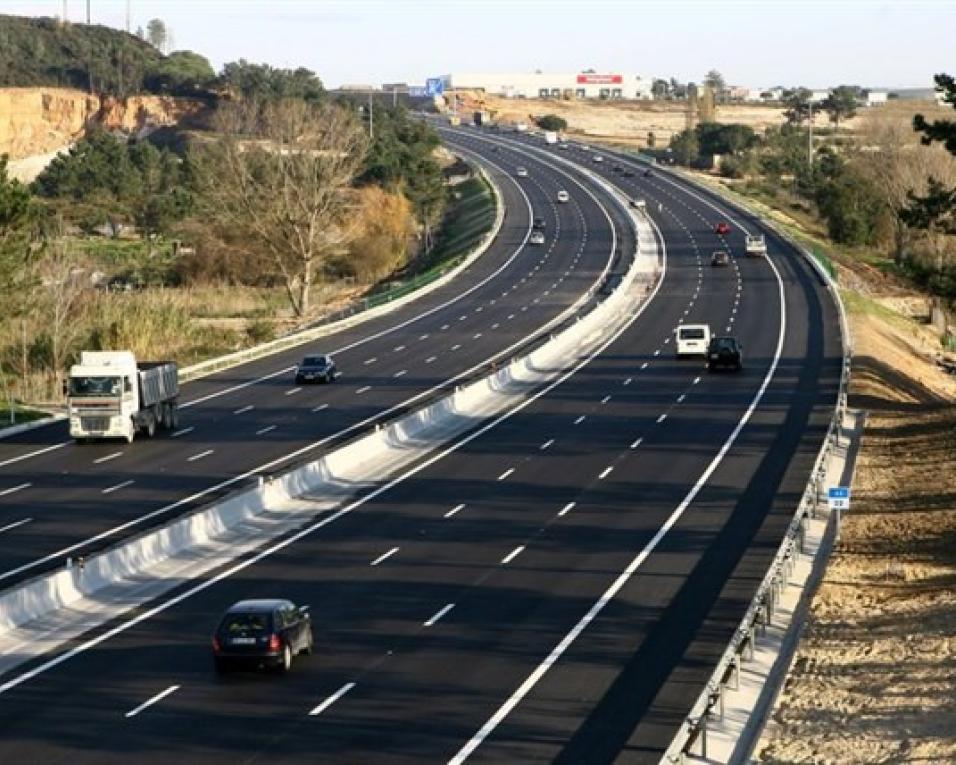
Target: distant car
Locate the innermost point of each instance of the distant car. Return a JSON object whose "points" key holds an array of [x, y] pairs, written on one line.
{"points": [[316, 369], [628, 173], [610, 284], [617, 168], [262, 633], [563, 196], [537, 237], [722, 228], [648, 173], [564, 145], [598, 158], [720, 258], [724, 352], [522, 172], [539, 223], [585, 147], [692, 339]]}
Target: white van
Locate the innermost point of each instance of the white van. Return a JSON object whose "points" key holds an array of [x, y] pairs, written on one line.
{"points": [[692, 339], [563, 196]]}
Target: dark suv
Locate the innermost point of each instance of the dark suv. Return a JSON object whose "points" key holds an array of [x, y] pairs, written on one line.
{"points": [[316, 369], [539, 224], [259, 633], [724, 352]]}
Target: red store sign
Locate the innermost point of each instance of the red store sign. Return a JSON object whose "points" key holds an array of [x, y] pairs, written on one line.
{"points": [[600, 79]]}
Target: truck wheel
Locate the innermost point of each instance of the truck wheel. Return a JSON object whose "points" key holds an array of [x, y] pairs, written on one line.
{"points": [[173, 417]]}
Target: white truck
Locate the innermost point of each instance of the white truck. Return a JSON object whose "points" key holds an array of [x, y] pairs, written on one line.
{"points": [[111, 395], [756, 246], [550, 136]]}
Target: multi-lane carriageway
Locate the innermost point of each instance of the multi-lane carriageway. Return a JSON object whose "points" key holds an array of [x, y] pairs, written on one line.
{"points": [[557, 587]]}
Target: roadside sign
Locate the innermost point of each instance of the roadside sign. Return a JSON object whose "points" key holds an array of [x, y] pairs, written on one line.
{"points": [[434, 86], [838, 497], [416, 91]]}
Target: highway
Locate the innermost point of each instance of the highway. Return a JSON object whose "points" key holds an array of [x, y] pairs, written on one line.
{"points": [[556, 588], [58, 499]]}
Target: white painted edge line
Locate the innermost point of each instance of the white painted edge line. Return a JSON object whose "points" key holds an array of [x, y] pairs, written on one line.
{"points": [[12, 489], [505, 709], [158, 697], [205, 584], [331, 700], [384, 556], [435, 617]]}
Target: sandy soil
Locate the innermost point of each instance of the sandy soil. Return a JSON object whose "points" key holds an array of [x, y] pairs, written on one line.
{"points": [[874, 678]]}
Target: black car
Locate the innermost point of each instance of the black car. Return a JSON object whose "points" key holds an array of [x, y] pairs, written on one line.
{"points": [[617, 168], [648, 173], [628, 173], [724, 352], [539, 224], [262, 633], [316, 369], [720, 258], [611, 283]]}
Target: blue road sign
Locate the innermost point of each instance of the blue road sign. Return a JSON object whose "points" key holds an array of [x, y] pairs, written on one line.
{"points": [[838, 497], [434, 86]]}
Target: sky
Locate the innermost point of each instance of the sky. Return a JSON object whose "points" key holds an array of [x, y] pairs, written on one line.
{"points": [[756, 43]]}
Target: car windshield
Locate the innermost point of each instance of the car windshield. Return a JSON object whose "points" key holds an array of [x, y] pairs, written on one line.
{"points": [[724, 343], [313, 361], [693, 333], [245, 623], [94, 386]]}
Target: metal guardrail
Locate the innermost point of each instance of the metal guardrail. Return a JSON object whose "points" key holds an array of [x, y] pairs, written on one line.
{"points": [[360, 306], [760, 613]]}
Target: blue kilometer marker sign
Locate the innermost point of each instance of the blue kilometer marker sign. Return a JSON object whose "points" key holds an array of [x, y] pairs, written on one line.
{"points": [[838, 497]]}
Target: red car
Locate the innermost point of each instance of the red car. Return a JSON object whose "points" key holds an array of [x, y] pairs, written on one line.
{"points": [[722, 228]]}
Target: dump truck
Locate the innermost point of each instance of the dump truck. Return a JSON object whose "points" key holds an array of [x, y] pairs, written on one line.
{"points": [[756, 246], [111, 395]]}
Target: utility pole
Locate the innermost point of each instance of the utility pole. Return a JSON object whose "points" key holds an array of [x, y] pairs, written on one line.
{"points": [[371, 134], [810, 136], [127, 16], [87, 12]]}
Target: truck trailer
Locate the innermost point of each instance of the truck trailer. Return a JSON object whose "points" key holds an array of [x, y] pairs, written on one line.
{"points": [[111, 395]]}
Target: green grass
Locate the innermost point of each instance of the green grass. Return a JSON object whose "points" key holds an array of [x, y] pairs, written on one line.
{"points": [[16, 414]]}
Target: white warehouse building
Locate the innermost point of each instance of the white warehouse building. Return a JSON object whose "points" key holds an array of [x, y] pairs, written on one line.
{"points": [[552, 85]]}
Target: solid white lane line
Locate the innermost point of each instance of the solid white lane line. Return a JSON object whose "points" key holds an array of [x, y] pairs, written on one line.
{"points": [[606, 472], [34, 454], [13, 525], [320, 407], [108, 457], [662, 418], [400, 373], [635, 444], [200, 455], [504, 475], [158, 697], [513, 554], [567, 508], [183, 432], [580, 419], [331, 699], [118, 486], [293, 391], [363, 389], [439, 615], [546, 444], [454, 510], [265, 430], [244, 409], [384, 556], [15, 488]]}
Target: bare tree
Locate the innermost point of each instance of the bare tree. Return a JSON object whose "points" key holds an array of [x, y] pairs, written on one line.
{"points": [[61, 281], [278, 179], [892, 157]]}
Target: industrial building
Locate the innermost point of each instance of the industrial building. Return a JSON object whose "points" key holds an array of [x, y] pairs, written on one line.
{"points": [[612, 85]]}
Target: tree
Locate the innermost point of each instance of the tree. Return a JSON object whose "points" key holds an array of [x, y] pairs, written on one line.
{"points": [[660, 89], [552, 122], [714, 138], [715, 81], [279, 178], [797, 103], [842, 104], [181, 73], [850, 206], [678, 89], [685, 147], [17, 216], [261, 81], [157, 34], [940, 130], [935, 213]]}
